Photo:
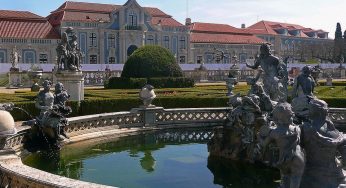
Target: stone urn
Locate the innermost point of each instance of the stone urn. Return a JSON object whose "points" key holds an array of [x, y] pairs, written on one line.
{"points": [[35, 76], [7, 127]]}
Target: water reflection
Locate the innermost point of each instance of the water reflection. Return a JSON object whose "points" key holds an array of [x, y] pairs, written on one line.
{"points": [[157, 159], [237, 174]]}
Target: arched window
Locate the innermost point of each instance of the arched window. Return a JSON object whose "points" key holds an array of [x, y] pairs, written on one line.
{"points": [[3, 56], [29, 56]]}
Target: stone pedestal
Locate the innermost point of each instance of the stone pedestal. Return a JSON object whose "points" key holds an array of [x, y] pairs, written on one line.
{"points": [[343, 73], [14, 78], [73, 82], [149, 114]]}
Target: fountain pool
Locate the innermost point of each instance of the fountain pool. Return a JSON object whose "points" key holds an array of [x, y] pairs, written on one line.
{"points": [[170, 158]]}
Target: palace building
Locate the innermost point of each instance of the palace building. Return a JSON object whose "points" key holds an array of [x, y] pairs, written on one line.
{"points": [[108, 34]]}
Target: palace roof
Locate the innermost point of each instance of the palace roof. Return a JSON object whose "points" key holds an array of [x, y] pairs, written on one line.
{"points": [[225, 38], [215, 28], [23, 24], [221, 33], [96, 12], [274, 28]]}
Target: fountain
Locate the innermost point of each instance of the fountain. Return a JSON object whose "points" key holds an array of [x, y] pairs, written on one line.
{"points": [[261, 127], [259, 138]]}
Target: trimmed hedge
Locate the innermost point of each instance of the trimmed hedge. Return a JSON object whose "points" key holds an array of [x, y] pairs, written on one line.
{"points": [[137, 83], [151, 61], [171, 82], [125, 83]]}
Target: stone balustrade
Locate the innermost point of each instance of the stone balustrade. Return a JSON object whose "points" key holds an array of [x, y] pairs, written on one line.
{"points": [[14, 174]]}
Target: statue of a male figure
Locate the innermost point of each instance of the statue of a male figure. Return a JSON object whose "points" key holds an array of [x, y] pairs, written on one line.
{"points": [[273, 72]]}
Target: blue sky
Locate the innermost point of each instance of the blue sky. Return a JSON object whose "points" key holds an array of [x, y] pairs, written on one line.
{"points": [[317, 14]]}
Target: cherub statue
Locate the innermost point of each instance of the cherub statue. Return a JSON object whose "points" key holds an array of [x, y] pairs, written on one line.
{"points": [[286, 136]]}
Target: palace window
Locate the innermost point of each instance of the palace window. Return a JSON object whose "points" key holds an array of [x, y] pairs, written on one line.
{"points": [[93, 59], [111, 60], [2, 56], [29, 57], [43, 59], [182, 59], [166, 42], [111, 41], [199, 59], [150, 40], [182, 43], [92, 40], [132, 19]]}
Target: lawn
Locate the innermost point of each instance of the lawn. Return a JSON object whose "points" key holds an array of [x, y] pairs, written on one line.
{"points": [[102, 100]]}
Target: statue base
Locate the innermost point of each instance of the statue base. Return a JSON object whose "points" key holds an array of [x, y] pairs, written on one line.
{"points": [[15, 79], [73, 82]]}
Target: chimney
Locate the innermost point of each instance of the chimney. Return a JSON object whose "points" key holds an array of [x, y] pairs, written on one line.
{"points": [[188, 21], [243, 26]]}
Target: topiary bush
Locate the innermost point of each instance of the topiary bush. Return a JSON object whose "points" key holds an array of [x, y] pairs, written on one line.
{"points": [[151, 61]]}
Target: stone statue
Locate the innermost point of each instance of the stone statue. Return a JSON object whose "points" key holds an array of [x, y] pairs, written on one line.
{"points": [[303, 89], [62, 52], [69, 55], [14, 58], [304, 83], [286, 136], [53, 111], [315, 73], [322, 143], [273, 74], [147, 95], [218, 55]]}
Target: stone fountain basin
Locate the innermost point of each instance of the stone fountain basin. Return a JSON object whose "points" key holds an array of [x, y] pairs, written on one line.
{"points": [[109, 126], [97, 128]]}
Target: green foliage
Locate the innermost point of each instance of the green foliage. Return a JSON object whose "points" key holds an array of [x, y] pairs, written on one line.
{"points": [[151, 61], [338, 32], [113, 100], [171, 82], [312, 61], [137, 83], [125, 83]]}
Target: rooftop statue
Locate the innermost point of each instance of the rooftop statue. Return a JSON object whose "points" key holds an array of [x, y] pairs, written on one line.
{"points": [[69, 55], [274, 74]]}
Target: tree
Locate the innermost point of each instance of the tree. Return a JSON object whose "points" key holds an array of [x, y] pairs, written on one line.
{"points": [[151, 61], [338, 32], [338, 43]]}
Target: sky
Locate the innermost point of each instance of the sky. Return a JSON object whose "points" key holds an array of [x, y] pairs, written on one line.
{"points": [[316, 14]]}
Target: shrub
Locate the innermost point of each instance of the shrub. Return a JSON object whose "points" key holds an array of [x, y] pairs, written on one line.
{"points": [[151, 61], [171, 82], [125, 83]]}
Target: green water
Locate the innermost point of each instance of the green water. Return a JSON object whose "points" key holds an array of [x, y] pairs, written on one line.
{"points": [[149, 161]]}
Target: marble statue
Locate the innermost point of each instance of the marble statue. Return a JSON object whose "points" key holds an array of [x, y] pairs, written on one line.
{"points": [[232, 79], [69, 55], [286, 136], [274, 73], [14, 58], [323, 144], [147, 95]]}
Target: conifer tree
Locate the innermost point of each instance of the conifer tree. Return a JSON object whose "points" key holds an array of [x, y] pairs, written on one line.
{"points": [[338, 32]]}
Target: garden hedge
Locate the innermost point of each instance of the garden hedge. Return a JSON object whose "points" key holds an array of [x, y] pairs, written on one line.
{"points": [[151, 61], [137, 83]]}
